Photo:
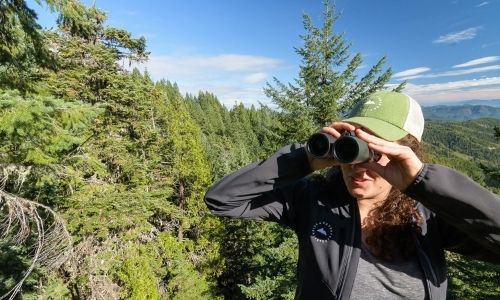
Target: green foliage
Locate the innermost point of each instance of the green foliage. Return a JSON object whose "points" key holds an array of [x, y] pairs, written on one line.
{"points": [[469, 147], [328, 82], [37, 130], [275, 283], [183, 281], [126, 161], [50, 286], [40, 138], [470, 279], [23, 50], [140, 272], [108, 210], [13, 262], [161, 266]]}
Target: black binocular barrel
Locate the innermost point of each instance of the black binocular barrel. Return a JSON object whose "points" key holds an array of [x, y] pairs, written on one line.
{"points": [[348, 149], [320, 144]]}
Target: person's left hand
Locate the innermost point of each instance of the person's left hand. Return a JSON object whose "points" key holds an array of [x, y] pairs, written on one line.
{"points": [[403, 167]]}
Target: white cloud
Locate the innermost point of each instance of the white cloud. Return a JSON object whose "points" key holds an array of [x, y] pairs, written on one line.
{"points": [[479, 61], [411, 72], [170, 66], [477, 89], [231, 77], [456, 37], [255, 77], [483, 4], [453, 73]]}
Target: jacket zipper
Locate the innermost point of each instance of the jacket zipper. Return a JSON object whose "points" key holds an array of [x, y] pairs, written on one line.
{"points": [[428, 264], [347, 260]]}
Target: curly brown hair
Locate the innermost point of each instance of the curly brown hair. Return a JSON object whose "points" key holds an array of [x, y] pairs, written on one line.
{"points": [[388, 227]]}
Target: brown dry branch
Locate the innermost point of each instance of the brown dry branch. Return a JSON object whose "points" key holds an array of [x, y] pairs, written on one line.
{"points": [[87, 261], [23, 218]]}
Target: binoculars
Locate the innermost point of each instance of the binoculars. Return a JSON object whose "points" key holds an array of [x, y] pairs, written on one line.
{"points": [[347, 149]]}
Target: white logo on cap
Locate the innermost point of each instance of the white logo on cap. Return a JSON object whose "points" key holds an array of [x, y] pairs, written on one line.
{"points": [[373, 103]]}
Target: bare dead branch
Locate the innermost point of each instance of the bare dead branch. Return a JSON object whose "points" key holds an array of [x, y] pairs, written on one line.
{"points": [[22, 219]]}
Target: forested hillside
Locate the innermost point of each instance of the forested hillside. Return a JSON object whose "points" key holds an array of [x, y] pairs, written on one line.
{"points": [[103, 170], [472, 147], [469, 146]]}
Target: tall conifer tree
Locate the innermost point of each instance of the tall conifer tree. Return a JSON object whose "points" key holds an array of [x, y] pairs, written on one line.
{"points": [[328, 83]]}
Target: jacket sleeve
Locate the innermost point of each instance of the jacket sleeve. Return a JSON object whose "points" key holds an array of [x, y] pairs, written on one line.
{"points": [[264, 190], [468, 215]]}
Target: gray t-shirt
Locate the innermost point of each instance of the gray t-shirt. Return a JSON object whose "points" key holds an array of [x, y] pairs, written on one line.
{"points": [[376, 279]]}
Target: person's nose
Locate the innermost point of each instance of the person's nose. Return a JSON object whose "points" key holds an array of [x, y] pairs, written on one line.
{"points": [[357, 168]]}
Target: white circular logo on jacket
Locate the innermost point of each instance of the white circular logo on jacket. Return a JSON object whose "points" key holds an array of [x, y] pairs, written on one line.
{"points": [[322, 232]]}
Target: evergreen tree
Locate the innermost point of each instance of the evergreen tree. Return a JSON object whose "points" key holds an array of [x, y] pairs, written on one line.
{"points": [[184, 157], [89, 54], [125, 161], [327, 85], [23, 47], [40, 137]]}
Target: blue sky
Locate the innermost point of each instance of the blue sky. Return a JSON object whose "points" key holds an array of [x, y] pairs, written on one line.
{"points": [[447, 50]]}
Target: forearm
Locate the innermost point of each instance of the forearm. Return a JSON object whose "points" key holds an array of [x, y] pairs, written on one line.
{"points": [[460, 202], [232, 194]]}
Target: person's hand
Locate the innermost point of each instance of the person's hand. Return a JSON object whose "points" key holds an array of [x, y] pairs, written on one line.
{"points": [[335, 130], [403, 167]]}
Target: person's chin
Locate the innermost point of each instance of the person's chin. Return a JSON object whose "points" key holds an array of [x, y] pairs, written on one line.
{"points": [[357, 192]]}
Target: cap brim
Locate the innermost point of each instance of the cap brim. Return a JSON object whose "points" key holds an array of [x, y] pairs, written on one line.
{"points": [[382, 129]]}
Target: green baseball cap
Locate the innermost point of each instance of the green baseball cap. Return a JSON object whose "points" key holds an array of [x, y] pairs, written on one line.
{"points": [[390, 115]]}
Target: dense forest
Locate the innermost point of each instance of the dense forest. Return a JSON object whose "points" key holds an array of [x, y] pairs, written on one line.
{"points": [[103, 170]]}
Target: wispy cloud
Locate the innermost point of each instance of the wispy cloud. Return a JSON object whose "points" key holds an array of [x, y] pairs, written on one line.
{"points": [[411, 72], [483, 4], [479, 61], [480, 89], [453, 73], [255, 77], [195, 65], [456, 37], [232, 77]]}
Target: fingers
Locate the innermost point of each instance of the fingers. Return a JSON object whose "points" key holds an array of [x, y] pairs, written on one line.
{"points": [[336, 128], [370, 138], [391, 149]]}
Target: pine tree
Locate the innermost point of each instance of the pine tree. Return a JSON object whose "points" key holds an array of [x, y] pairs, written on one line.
{"points": [[327, 86], [39, 159], [24, 52]]}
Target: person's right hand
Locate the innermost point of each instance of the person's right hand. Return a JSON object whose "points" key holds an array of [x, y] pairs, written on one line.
{"points": [[335, 129]]}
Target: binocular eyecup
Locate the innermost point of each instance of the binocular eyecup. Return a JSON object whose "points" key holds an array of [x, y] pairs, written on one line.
{"points": [[347, 149]]}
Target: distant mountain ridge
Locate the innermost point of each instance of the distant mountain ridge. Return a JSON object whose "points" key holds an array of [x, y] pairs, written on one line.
{"points": [[494, 103], [460, 112]]}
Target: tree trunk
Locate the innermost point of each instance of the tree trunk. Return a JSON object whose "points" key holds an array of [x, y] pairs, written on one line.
{"points": [[182, 206]]}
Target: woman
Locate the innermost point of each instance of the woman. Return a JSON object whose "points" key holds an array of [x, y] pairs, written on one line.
{"points": [[374, 230]]}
